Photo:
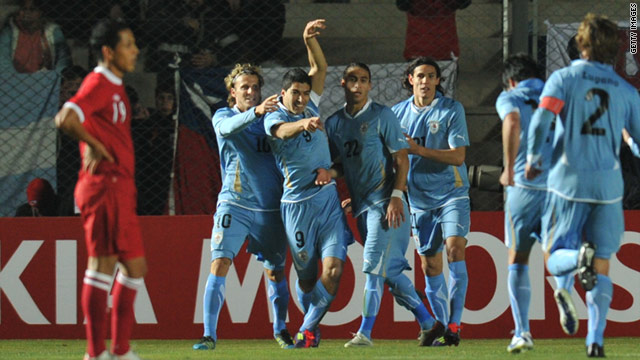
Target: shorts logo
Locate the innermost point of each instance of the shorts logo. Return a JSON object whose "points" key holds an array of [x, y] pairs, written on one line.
{"points": [[434, 126], [364, 127], [217, 237], [303, 255]]}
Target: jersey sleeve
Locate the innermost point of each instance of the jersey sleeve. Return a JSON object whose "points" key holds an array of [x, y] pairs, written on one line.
{"points": [[553, 95], [458, 134], [88, 99], [226, 122], [391, 131], [272, 119], [505, 105]]}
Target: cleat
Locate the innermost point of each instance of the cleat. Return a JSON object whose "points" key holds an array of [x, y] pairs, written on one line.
{"points": [[451, 337], [595, 350], [586, 273], [103, 356], [284, 339], [426, 337], [359, 340], [316, 337], [524, 342], [206, 343], [129, 355], [568, 315], [305, 339]]}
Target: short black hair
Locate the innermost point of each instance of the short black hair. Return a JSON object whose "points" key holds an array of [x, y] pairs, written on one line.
{"points": [[518, 67], [296, 75], [356, 64], [71, 73], [572, 48], [106, 33], [419, 61]]}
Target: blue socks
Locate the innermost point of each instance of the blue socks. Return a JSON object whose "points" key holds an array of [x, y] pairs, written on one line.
{"points": [[405, 294], [279, 297], [520, 296], [598, 301], [438, 296], [458, 283], [320, 302], [372, 297], [303, 298], [213, 301], [562, 262]]}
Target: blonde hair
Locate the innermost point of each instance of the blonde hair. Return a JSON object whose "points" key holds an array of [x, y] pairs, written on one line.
{"points": [[598, 37], [239, 70]]}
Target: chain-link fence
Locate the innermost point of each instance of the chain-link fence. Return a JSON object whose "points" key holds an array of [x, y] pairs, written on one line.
{"points": [[187, 48]]}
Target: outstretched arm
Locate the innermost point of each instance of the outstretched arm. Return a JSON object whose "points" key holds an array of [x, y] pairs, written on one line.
{"points": [[288, 130], [317, 61]]}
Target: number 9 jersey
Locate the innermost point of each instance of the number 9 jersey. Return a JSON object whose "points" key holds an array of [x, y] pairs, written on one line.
{"points": [[593, 104]]}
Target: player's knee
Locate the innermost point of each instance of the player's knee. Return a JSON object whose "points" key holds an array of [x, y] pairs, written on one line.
{"points": [[601, 266], [220, 266], [275, 275], [307, 285], [334, 272]]}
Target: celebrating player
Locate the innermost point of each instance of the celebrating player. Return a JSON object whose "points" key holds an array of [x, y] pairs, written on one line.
{"points": [[367, 143], [99, 116], [315, 224], [583, 222], [436, 130]]}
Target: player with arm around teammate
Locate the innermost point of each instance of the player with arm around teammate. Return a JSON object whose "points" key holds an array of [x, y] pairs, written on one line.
{"points": [[436, 130], [367, 143], [99, 117], [248, 203], [583, 222], [316, 226]]}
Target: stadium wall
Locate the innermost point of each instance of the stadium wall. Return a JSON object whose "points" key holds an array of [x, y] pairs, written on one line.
{"points": [[42, 262]]}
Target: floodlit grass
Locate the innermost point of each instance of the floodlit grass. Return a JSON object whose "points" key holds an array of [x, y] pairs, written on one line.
{"points": [[329, 349]]}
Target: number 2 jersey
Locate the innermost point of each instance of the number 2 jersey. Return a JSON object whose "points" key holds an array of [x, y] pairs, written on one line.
{"points": [[250, 177], [441, 125], [104, 111], [593, 104]]}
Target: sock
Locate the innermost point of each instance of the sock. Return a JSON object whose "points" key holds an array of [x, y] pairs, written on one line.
{"points": [[303, 298], [565, 282], [562, 262], [598, 301], [320, 302], [95, 290], [371, 306], [458, 282], [122, 314], [520, 296], [405, 294], [437, 294], [279, 297], [213, 301]]}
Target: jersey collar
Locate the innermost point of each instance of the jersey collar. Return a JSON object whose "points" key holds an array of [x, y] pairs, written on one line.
{"points": [[590, 62], [415, 108], [364, 108], [108, 74]]}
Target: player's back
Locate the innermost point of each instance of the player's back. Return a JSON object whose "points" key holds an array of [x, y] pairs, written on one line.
{"points": [[585, 161]]}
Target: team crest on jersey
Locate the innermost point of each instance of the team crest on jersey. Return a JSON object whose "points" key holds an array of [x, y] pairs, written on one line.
{"points": [[434, 126], [116, 97], [364, 127], [217, 237], [303, 255]]}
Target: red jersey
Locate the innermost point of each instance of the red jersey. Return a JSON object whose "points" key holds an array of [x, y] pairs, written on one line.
{"points": [[104, 110]]}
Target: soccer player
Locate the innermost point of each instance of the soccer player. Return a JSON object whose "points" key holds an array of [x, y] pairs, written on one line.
{"points": [[436, 130], [248, 203], [315, 224], [367, 143], [99, 116], [583, 222]]}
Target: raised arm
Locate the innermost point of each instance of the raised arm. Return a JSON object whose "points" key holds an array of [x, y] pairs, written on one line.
{"points": [[317, 61]]}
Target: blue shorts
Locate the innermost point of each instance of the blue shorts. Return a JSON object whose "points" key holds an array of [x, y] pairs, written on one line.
{"points": [[522, 217], [432, 227], [384, 247], [232, 225], [316, 228], [565, 223]]}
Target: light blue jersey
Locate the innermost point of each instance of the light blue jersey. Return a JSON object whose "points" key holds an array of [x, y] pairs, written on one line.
{"points": [[594, 105], [299, 158], [365, 144], [250, 177], [524, 99], [441, 125]]}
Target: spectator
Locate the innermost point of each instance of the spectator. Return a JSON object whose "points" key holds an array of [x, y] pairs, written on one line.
{"points": [[41, 200], [262, 25], [67, 153], [431, 28], [29, 42], [153, 144]]}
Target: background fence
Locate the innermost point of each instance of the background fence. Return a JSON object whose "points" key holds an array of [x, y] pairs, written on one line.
{"points": [[188, 46]]}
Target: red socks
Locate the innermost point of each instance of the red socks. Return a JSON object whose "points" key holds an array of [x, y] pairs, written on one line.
{"points": [[122, 316], [95, 291]]}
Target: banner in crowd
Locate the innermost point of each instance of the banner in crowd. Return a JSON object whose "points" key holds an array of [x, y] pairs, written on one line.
{"points": [[42, 263], [28, 103]]}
